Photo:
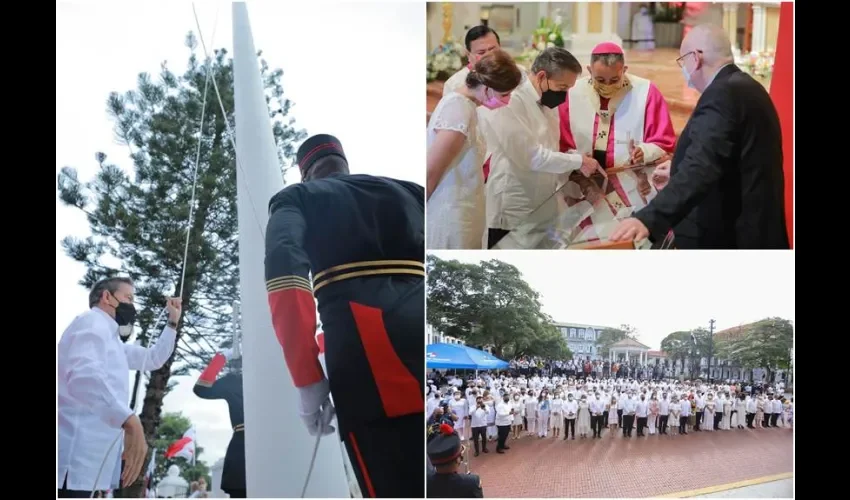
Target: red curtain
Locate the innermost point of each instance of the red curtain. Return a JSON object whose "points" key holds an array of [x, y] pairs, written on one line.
{"points": [[782, 93]]}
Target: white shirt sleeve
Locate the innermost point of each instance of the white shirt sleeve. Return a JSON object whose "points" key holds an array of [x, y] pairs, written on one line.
{"points": [[86, 377], [153, 357]]}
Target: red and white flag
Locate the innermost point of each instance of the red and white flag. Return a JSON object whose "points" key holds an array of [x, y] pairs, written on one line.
{"points": [[183, 447]]}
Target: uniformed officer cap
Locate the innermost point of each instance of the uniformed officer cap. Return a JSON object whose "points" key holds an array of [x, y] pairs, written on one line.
{"points": [[445, 447], [315, 147]]}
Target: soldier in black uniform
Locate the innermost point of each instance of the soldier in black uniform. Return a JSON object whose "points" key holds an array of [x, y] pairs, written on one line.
{"points": [[446, 454], [362, 239], [228, 388]]}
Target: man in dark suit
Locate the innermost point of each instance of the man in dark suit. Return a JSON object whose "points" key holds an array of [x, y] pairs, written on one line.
{"points": [[725, 187]]}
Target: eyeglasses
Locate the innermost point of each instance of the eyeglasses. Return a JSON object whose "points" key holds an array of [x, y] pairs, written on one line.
{"points": [[681, 60]]}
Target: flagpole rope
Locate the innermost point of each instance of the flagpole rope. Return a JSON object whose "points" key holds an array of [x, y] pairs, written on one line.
{"points": [[185, 248]]}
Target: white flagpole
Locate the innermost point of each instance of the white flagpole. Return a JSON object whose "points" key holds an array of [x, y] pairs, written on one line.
{"points": [[277, 446]]}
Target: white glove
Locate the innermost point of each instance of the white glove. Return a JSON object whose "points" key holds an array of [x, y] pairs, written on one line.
{"points": [[320, 421], [227, 353], [315, 408]]}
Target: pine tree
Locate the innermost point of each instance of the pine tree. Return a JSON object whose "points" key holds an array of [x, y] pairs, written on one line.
{"points": [[139, 222]]}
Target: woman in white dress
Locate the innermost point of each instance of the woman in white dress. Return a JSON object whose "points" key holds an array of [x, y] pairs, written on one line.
{"points": [[456, 153], [517, 407], [583, 418], [557, 415], [653, 413], [613, 420], [531, 413], [675, 412], [543, 405], [490, 403], [726, 423], [708, 416]]}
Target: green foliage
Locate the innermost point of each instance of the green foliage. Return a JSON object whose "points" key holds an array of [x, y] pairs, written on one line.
{"points": [[139, 220], [679, 346], [490, 304], [171, 428], [763, 344], [611, 336], [669, 12]]}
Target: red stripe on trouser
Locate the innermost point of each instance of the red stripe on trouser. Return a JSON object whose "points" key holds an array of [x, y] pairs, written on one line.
{"points": [[370, 489], [294, 319], [398, 388]]}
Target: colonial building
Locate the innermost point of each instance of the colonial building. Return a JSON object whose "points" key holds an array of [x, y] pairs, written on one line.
{"points": [[432, 336], [582, 339]]}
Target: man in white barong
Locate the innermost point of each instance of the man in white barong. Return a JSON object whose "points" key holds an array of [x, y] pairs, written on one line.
{"points": [[523, 138], [94, 390], [479, 41]]}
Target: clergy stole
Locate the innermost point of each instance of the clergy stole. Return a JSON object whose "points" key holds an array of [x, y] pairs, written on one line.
{"points": [[591, 128]]}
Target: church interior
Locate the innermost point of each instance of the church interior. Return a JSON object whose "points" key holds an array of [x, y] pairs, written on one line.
{"points": [[651, 37]]}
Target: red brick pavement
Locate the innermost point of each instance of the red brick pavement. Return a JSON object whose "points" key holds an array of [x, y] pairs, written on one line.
{"points": [[636, 467]]}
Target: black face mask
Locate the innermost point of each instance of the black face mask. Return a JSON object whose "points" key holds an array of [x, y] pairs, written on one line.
{"points": [[552, 98], [125, 313]]}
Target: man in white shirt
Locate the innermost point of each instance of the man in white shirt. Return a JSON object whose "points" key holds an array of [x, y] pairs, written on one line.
{"points": [[570, 411], [777, 410], [751, 404], [597, 408], [685, 414], [94, 390], [524, 139], [504, 419], [663, 413], [629, 409], [700, 411], [479, 41], [642, 413]]}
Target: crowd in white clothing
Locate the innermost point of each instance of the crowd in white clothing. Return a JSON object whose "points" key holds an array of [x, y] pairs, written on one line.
{"points": [[487, 407]]}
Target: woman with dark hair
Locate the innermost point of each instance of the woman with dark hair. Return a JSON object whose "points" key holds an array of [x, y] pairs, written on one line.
{"points": [[456, 152]]}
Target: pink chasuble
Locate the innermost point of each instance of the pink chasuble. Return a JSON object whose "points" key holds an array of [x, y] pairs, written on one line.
{"points": [[643, 117]]}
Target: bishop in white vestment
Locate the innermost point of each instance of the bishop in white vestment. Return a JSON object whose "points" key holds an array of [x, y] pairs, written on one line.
{"points": [[622, 120]]}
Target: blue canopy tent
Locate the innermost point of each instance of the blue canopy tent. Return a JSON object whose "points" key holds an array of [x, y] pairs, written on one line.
{"points": [[460, 357]]}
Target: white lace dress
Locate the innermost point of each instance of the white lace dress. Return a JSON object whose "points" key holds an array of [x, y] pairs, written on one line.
{"points": [[455, 211]]}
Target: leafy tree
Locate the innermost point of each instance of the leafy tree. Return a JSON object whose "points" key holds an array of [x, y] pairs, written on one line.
{"points": [[139, 222], [764, 344], [490, 304], [611, 336], [689, 345], [171, 428]]}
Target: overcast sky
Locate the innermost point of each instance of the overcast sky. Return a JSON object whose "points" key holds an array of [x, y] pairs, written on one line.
{"points": [[656, 292], [352, 70]]}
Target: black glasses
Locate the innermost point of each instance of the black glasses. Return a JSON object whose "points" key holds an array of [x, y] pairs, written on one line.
{"points": [[680, 60]]}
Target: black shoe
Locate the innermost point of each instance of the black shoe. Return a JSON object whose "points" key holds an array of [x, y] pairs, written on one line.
{"points": [[506, 448], [476, 453], [485, 450], [500, 452], [574, 438]]}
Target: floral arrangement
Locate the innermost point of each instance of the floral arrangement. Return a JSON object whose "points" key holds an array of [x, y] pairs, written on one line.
{"points": [[549, 33], [445, 60], [756, 64]]}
